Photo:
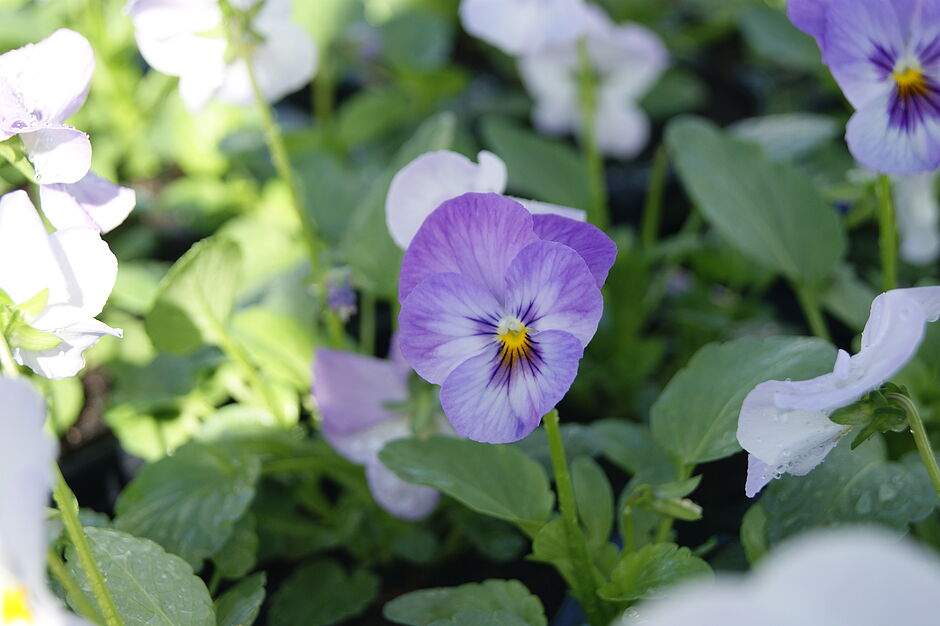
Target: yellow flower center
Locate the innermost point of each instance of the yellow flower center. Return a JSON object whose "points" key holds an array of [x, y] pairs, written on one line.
{"points": [[14, 607], [514, 337], [911, 83]]}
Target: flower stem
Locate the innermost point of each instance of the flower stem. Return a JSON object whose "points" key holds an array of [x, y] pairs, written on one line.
{"points": [[920, 438], [367, 323], [653, 205], [586, 590], [888, 238], [68, 507], [809, 302], [593, 159], [85, 608]]}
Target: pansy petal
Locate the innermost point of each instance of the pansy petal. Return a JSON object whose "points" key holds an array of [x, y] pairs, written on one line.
{"points": [[446, 320], [88, 266], [809, 16], [430, 180], [595, 247], [915, 196], [630, 56], [59, 154], [487, 400], [476, 235], [168, 32], [92, 202], [548, 77], [52, 76], [353, 391], [27, 263], [550, 287], [26, 457], [401, 499], [623, 129], [362, 445], [67, 359], [524, 27], [887, 147]]}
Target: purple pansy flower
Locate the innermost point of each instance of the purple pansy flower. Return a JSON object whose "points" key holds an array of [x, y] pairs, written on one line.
{"points": [[354, 393], [497, 306], [886, 58]]}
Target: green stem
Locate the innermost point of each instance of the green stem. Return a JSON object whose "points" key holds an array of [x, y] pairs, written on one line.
{"points": [[683, 472], [85, 608], [586, 588], [324, 93], [367, 323], [68, 507], [7, 363], [920, 438], [18, 160], [593, 159], [653, 205], [811, 309], [888, 238]]}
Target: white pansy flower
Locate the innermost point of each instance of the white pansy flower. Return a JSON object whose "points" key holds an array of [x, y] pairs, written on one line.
{"points": [[92, 202], [857, 576], [435, 177], [627, 59], [785, 425], [186, 38], [71, 271], [42, 85], [523, 27], [915, 196], [26, 457]]}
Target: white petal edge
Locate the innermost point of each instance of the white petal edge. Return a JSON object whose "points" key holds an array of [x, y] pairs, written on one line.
{"points": [[92, 202]]}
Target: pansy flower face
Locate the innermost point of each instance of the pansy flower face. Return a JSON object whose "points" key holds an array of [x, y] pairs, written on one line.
{"points": [[26, 457], [497, 306], [885, 55], [785, 425], [42, 85]]}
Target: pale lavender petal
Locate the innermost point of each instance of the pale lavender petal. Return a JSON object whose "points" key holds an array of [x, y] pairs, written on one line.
{"points": [[446, 320], [809, 16], [59, 154], [27, 263], [51, 78], [547, 208], [915, 197], [433, 178], [595, 247], [785, 424], [494, 401], [476, 235], [549, 287], [524, 27], [401, 499], [886, 147], [759, 474], [88, 267], [623, 129], [352, 391], [92, 202]]}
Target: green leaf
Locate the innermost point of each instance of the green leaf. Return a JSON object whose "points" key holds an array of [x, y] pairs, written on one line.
{"points": [[787, 136], [497, 480], [851, 486], [754, 533], [35, 305], [367, 246], [696, 416], [647, 572], [769, 211], [65, 398], [771, 35], [539, 168], [322, 593], [240, 605], [281, 347], [149, 586], [238, 555], [551, 545], [29, 338], [427, 606], [189, 502], [632, 447], [677, 91], [595, 499], [195, 298]]}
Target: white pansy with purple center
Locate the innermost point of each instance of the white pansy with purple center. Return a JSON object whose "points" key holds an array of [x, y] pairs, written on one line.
{"points": [[354, 394], [858, 576], [434, 177], [76, 269], [522, 27], [627, 59], [41, 86], [186, 38], [785, 425], [26, 457], [497, 306], [886, 58]]}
